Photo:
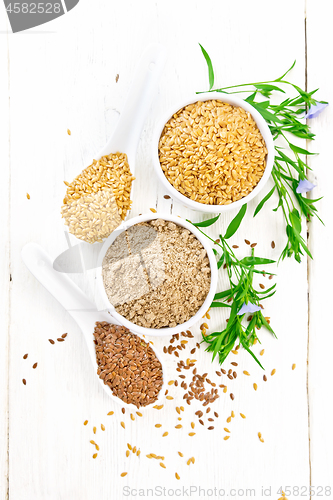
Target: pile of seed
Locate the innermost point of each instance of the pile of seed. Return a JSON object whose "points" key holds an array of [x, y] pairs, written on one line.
{"points": [[127, 364], [212, 152], [98, 198], [156, 274]]}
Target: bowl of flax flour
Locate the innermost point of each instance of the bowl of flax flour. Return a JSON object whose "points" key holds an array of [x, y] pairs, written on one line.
{"points": [[156, 275]]}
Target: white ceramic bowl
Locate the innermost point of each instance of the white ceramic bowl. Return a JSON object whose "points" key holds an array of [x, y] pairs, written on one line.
{"points": [[262, 126], [158, 332]]}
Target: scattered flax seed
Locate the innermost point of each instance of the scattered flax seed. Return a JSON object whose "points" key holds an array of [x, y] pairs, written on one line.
{"points": [[247, 242], [262, 352], [158, 407], [85, 422], [95, 455], [262, 286], [165, 434], [178, 409], [158, 425], [171, 382], [103, 427], [265, 378], [253, 245], [69, 132], [94, 430], [25, 356], [123, 411], [97, 447], [127, 453], [122, 424], [233, 414], [111, 413], [117, 77], [255, 341], [235, 246], [210, 428], [246, 373], [60, 339], [229, 420], [182, 408], [293, 367], [232, 396], [169, 397], [24, 381], [259, 435], [139, 414], [242, 415], [207, 315], [162, 465], [180, 454], [225, 389], [34, 365], [193, 460], [270, 277], [153, 210], [189, 461], [192, 425], [273, 244], [132, 416], [179, 426], [129, 446], [123, 474], [28, 196], [92, 442], [166, 196], [234, 351], [134, 449], [273, 372], [226, 437], [191, 434], [51, 341], [226, 429], [138, 453], [262, 440], [255, 387], [64, 335], [177, 475]]}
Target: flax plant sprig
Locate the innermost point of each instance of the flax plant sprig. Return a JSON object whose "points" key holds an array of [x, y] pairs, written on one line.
{"points": [[289, 173], [241, 296]]}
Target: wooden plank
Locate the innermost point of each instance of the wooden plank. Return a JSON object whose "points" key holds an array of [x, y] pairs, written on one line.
{"points": [[53, 458], [4, 257], [319, 36]]}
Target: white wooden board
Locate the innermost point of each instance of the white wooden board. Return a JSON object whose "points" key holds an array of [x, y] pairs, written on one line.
{"points": [[62, 75]]}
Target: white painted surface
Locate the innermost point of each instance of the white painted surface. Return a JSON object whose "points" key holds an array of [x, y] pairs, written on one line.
{"points": [[62, 75]]}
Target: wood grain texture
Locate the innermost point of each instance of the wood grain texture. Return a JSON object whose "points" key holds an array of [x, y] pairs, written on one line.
{"points": [[320, 74], [69, 71], [4, 258]]}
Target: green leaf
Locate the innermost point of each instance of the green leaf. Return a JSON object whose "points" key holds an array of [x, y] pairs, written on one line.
{"points": [[295, 220], [235, 223], [221, 295], [263, 201], [301, 151], [256, 261], [206, 223], [210, 67], [266, 114], [219, 304], [284, 74], [269, 88], [220, 261], [253, 355]]}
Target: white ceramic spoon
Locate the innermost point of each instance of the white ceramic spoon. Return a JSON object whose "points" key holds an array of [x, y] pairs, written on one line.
{"points": [[126, 136], [76, 304]]}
